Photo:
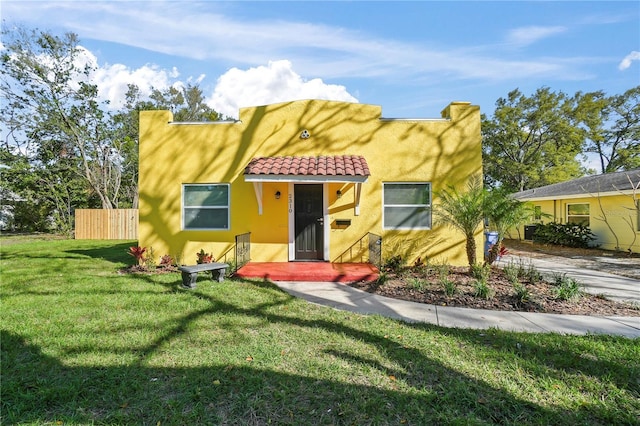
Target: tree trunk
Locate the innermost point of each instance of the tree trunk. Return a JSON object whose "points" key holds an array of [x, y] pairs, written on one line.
{"points": [[471, 250]]}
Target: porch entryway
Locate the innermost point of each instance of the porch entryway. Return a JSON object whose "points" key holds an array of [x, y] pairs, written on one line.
{"points": [[309, 222]]}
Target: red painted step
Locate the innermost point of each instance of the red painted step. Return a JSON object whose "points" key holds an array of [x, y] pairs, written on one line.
{"points": [[309, 271]]}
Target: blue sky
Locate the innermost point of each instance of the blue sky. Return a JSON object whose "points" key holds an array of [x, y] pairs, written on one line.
{"points": [[411, 58]]}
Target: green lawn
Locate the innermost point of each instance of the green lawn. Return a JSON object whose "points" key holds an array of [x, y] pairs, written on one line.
{"points": [[83, 344]]}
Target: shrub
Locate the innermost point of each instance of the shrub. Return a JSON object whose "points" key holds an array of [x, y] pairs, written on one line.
{"points": [[203, 257], [394, 263], [443, 270], [150, 259], [496, 252], [522, 292], [568, 235], [511, 272], [166, 261], [531, 274], [137, 252], [566, 288], [417, 283], [520, 271], [480, 271], [483, 290], [382, 278], [449, 286]]}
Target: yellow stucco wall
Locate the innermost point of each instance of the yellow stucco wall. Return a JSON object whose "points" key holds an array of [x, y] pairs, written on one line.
{"points": [[613, 219], [444, 151]]}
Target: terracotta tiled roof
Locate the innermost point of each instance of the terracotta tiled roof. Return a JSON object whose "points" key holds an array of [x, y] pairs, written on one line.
{"points": [[339, 165]]}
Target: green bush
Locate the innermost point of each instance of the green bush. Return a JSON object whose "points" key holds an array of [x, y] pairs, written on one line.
{"points": [[483, 290], [566, 288], [480, 271], [511, 272], [449, 286], [522, 292], [418, 284], [394, 263], [568, 235], [517, 271]]}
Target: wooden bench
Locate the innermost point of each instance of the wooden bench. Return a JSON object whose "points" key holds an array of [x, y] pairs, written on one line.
{"points": [[190, 272]]}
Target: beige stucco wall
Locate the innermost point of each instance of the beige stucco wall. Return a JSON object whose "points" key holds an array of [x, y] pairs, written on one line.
{"points": [[613, 219], [443, 151]]}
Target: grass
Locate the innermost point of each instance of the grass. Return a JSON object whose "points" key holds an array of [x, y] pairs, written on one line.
{"points": [[83, 344]]}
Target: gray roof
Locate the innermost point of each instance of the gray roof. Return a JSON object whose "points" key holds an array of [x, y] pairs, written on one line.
{"points": [[588, 185]]}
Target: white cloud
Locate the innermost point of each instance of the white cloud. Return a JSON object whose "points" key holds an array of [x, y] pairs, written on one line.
{"points": [[276, 82], [626, 62], [525, 36], [112, 81]]}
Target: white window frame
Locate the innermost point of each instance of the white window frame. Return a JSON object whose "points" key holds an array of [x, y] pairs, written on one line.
{"points": [[227, 207], [588, 216], [429, 206]]}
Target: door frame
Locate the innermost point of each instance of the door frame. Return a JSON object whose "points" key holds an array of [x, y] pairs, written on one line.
{"points": [[292, 218]]}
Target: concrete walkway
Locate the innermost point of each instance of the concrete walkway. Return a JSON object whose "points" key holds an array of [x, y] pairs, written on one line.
{"points": [[343, 297], [613, 287]]}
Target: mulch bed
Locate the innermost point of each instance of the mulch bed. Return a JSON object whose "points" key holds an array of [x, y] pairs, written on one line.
{"points": [[542, 298]]}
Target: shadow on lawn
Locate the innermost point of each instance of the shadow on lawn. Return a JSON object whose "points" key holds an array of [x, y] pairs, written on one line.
{"points": [[38, 388], [117, 253]]}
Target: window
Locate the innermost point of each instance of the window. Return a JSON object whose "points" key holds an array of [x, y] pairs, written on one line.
{"points": [[537, 212], [406, 205], [205, 206], [578, 214], [638, 214]]}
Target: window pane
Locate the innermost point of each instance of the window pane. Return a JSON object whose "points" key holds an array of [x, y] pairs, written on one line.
{"points": [[578, 209], [407, 217], [206, 195], [406, 193], [578, 220], [206, 218], [537, 212]]}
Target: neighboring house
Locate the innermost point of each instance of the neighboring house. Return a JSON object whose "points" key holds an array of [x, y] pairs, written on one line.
{"points": [[609, 204], [309, 180]]}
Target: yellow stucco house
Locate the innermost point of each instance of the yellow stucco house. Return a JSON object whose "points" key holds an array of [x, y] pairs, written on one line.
{"points": [[609, 204], [309, 180]]}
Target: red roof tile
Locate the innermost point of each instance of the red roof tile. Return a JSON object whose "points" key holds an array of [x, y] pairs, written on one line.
{"points": [[339, 165]]}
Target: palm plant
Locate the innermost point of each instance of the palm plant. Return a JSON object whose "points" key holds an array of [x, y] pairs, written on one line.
{"points": [[503, 213], [464, 211]]}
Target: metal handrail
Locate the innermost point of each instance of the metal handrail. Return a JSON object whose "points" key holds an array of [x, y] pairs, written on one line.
{"points": [[368, 249], [243, 249]]}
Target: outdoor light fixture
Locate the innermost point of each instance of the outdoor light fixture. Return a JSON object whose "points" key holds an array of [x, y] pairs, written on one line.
{"points": [[277, 195], [339, 193]]}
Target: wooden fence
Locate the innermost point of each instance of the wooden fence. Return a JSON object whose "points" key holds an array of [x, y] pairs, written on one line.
{"points": [[106, 224]]}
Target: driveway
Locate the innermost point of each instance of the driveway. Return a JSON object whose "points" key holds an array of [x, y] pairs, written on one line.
{"points": [[614, 275]]}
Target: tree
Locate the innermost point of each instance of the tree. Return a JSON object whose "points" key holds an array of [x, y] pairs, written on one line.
{"points": [[53, 113], [531, 141], [464, 211], [186, 103], [68, 150], [503, 213], [613, 129]]}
